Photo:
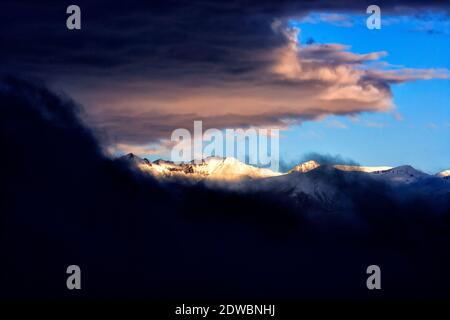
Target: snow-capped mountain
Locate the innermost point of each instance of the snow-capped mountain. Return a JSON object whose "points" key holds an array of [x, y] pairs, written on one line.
{"points": [[305, 166], [231, 169], [309, 184], [401, 174], [299, 186], [444, 174], [362, 168], [331, 188], [311, 165], [215, 168]]}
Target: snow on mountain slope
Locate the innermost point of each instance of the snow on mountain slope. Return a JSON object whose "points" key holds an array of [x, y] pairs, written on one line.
{"points": [[321, 187], [361, 168], [230, 169], [311, 165], [305, 166], [210, 168], [130, 157], [401, 174], [305, 188], [444, 174]]}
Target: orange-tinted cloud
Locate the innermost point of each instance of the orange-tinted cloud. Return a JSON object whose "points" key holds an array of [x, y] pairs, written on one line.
{"points": [[294, 83]]}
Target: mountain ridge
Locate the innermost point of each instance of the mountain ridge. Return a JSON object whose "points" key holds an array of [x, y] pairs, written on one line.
{"points": [[231, 169], [210, 165], [215, 168]]}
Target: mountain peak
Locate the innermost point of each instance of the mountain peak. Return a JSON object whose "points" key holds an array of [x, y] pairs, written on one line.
{"points": [[130, 155], [161, 161], [404, 174], [220, 168], [406, 169], [305, 166], [443, 174]]}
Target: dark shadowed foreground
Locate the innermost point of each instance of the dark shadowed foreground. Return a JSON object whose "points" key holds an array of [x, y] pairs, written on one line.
{"points": [[63, 202]]}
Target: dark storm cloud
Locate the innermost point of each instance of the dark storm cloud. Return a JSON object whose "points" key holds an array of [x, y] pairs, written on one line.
{"points": [[222, 62], [154, 39], [139, 127]]}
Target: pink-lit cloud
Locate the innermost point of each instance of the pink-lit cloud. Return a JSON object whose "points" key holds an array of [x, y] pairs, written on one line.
{"points": [[293, 83]]}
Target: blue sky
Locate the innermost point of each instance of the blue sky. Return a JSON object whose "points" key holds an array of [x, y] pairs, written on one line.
{"points": [[420, 133]]}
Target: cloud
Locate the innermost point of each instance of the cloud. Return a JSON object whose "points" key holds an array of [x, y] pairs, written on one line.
{"points": [[431, 22], [407, 74], [375, 124], [138, 149], [328, 159], [297, 83], [321, 158], [397, 116], [336, 124], [336, 19], [156, 66], [340, 20], [337, 54]]}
